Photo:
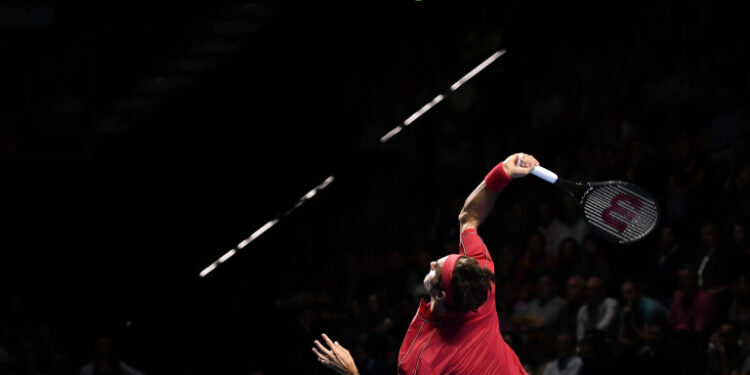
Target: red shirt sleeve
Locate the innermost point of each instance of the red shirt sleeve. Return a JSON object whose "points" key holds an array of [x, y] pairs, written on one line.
{"points": [[473, 246]]}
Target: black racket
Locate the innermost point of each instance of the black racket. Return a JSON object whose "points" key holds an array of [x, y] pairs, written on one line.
{"points": [[618, 211]]}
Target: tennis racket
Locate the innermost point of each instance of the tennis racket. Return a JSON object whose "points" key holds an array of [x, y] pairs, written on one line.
{"points": [[617, 211]]}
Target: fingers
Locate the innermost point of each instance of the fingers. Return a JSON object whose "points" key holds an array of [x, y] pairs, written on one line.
{"points": [[527, 161], [332, 352], [328, 340], [523, 161], [322, 349], [320, 355]]}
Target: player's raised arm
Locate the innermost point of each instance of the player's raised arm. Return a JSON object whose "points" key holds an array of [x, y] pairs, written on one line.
{"points": [[480, 202]]}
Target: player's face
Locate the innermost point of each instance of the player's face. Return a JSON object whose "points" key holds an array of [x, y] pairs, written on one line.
{"points": [[432, 282]]}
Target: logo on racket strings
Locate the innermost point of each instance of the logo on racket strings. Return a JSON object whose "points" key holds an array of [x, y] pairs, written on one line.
{"points": [[621, 211]]}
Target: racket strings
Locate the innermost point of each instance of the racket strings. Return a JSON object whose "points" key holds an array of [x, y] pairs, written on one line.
{"points": [[619, 212]]}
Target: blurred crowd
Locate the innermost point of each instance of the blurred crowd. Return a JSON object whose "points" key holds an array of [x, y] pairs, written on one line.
{"points": [[638, 110], [668, 113]]}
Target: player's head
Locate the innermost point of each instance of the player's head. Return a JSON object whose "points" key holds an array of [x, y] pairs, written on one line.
{"points": [[460, 280]]}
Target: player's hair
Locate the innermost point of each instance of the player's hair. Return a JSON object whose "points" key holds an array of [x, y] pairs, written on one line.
{"points": [[471, 284]]}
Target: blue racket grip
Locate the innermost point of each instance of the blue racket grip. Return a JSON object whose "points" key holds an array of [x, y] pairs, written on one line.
{"points": [[545, 174]]}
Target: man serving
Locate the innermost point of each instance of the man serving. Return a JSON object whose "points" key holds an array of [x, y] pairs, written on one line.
{"points": [[457, 332]]}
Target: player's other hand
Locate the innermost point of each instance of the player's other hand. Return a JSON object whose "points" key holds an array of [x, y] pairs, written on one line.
{"points": [[335, 356], [519, 164]]}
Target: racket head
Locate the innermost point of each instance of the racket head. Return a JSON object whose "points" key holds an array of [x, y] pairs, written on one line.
{"points": [[620, 212]]}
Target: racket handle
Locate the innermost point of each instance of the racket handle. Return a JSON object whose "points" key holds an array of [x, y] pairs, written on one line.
{"points": [[545, 174]]}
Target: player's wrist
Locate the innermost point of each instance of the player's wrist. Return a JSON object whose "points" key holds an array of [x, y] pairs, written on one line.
{"points": [[506, 169], [497, 178]]}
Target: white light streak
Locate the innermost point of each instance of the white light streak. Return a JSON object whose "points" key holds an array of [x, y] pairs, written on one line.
{"points": [[440, 97], [478, 69], [424, 109], [208, 269], [227, 255], [243, 244], [262, 230], [265, 227], [390, 134]]}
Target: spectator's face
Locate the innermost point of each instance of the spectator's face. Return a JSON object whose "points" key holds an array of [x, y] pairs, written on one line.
{"points": [[687, 281], [568, 250], [506, 255], [574, 289], [432, 281], [726, 335], [591, 246], [655, 333], [630, 293], [546, 288], [743, 178], [373, 303], [738, 234], [586, 351], [564, 346], [594, 290], [104, 347], [535, 244], [545, 214], [667, 238], [743, 287], [709, 235], [396, 260]]}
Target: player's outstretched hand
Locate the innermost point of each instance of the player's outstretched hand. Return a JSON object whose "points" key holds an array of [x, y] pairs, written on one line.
{"points": [[335, 356], [519, 164]]}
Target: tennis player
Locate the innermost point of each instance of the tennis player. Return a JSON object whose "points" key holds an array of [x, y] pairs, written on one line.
{"points": [[457, 331]]}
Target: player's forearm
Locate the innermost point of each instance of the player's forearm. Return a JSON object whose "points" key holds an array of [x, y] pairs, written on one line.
{"points": [[477, 207], [480, 202]]}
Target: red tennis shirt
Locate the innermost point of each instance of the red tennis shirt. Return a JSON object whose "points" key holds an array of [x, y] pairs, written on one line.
{"points": [[459, 343]]}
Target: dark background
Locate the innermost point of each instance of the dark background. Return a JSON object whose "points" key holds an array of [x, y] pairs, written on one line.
{"points": [[110, 212]]}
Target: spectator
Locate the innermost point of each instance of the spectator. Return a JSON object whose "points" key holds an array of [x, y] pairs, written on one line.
{"points": [[107, 361], [693, 309], [739, 309], [569, 259], [638, 313], [595, 354], [718, 266], [656, 356], [592, 263], [542, 311], [575, 296], [535, 261], [505, 267], [567, 362], [722, 356], [670, 256], [599, 312], [551, 228], [574, 225], [740, 245]]}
